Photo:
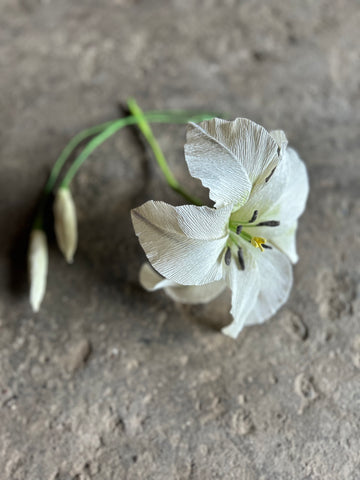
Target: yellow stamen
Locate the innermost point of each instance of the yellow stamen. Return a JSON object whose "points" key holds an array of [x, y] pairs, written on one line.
{"points": [[257, 242]]}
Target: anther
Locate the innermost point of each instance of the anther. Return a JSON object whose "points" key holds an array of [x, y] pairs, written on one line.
{"points": [[241, 259], [271, 174], [238, 229], [227, 256], [254, 217], [269, 223]]}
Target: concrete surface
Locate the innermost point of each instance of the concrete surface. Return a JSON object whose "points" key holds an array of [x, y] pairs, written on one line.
{"points": [[109, 382]]}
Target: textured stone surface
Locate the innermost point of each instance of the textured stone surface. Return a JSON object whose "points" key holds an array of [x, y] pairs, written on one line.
{"points": [[109, 382]]}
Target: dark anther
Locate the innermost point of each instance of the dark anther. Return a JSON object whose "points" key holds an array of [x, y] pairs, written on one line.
{"points": [[279, 151], [241, 259], [271, 174], [238, 229], [228, 256], [270, 223], [266, 246], [254, 217]]}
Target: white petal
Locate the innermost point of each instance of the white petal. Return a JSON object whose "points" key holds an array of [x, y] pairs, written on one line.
{"points": [[244, 287], [294, 196], [191, 294], [284, 196], [184, 244], [38, 267], [286, 241], [275, 273], [230, 157]]}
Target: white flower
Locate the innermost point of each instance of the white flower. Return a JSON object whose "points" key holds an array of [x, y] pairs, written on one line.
{"points": [[38, 266], [65, 223], [246, 242]]}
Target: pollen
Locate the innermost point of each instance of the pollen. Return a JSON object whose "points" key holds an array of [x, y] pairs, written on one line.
{"points": [[258, 242]]}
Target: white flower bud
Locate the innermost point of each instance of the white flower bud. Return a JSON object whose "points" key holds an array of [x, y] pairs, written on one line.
{"points": [[38, 266], [65, 223]]}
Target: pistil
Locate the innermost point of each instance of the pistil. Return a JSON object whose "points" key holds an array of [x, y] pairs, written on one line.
{"points": [[258, 242]]}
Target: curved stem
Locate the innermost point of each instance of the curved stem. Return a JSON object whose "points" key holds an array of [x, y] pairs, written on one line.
{"points": [[74, 142], [179, 116], [158, 116], [117, 125], [159, 156]]}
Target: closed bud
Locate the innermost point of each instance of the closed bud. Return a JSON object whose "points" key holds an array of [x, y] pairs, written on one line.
{"points": [[38, 266], [65, 223]]}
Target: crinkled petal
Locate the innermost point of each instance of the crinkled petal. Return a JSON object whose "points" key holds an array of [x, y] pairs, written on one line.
{"points": [[230, 157], [191, 294], [184, 244], [244, 285], [283, 197], [275, 273]]}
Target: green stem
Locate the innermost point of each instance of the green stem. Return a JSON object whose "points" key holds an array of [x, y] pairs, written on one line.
{"points": [[74, 142], [179, 116], [132, 120], [159, 156], [60, 162], [158, 116]]}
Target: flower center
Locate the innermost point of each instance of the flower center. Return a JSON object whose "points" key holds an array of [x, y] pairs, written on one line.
{"points": [[236, 233]]}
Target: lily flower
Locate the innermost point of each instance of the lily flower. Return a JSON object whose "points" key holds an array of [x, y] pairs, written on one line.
{"points": [[246, 242]]}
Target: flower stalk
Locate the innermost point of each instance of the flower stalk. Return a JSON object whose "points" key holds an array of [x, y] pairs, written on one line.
{"points": [[145, 129]]}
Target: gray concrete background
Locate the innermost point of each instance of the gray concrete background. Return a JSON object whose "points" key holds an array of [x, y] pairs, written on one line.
{"points": [[109, 382]]}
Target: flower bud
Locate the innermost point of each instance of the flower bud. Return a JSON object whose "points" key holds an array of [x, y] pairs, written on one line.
{"points": [[65, 223], [38, 266]]}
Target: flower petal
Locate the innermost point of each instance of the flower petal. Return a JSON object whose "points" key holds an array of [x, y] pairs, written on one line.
{"points": [[294, 196], [284, 196], [244, 287], [286, 241], [191, 294], [230, 157], [184, 244], [276, 279]]}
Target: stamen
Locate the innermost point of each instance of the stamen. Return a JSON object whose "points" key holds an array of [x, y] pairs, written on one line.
{"points": [[238, 229], [241, 259], [269, 223], [266, 246], [254, 216], [271, 174], [227, 257], [258, 242]]}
